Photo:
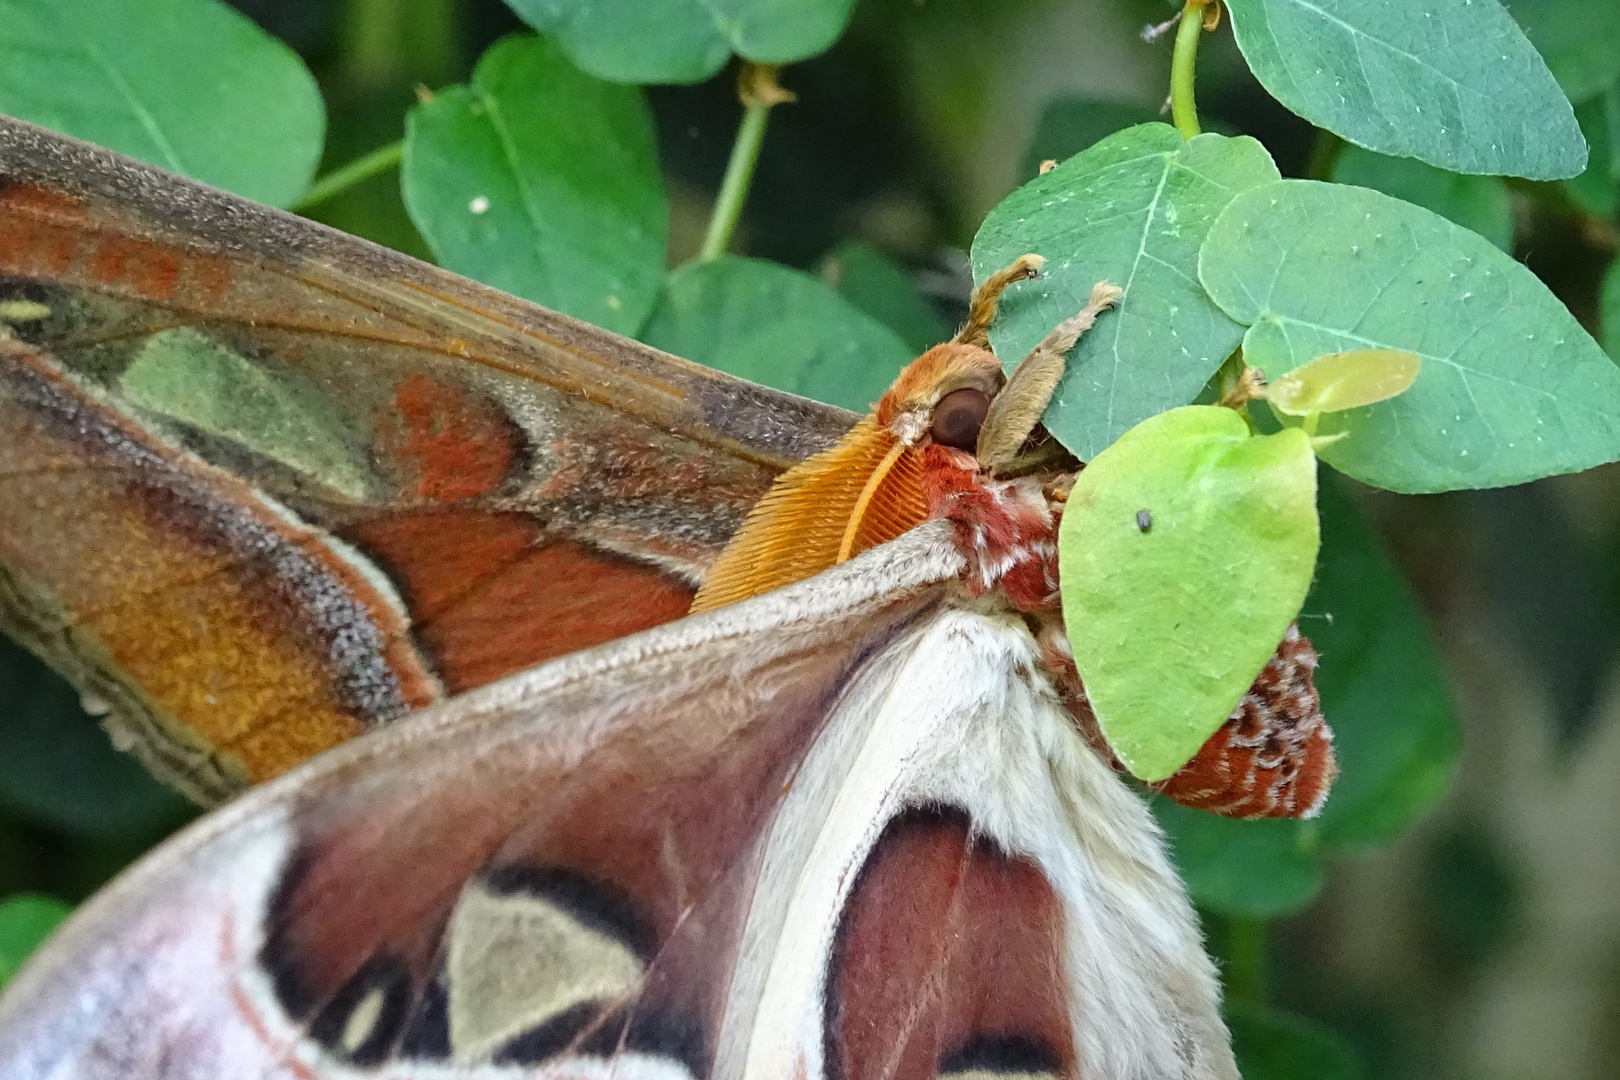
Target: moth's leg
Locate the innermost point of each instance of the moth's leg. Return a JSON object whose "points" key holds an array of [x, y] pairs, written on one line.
{"points": [[1018, 408], [982, 305]]}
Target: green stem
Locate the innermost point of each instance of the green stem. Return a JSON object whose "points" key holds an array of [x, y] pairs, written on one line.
{"points": [[739, 174], [355, 172], [1182, 64], [1245, 960]]}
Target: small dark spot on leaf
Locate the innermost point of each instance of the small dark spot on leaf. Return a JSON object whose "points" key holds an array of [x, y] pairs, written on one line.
{"points": [[1144, 520]]}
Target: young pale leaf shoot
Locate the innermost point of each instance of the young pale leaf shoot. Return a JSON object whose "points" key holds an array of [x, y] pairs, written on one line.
{"points": [[1344, 380], [1171, 624]]}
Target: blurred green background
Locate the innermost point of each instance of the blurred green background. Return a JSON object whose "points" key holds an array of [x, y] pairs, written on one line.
{"points": [[1484, 942]]}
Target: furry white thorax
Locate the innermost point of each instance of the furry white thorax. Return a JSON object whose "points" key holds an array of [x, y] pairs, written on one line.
{"points": [[959, 712]]}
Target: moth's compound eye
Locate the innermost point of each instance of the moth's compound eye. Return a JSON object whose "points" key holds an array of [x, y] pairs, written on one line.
{"points": [[958, 417]]}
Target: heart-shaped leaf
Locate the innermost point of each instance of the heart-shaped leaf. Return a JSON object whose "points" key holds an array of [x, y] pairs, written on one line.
{"points": [[1395, 733], [1511, 388], [543, 181], [1186, 549], [1451, 82], [762, 321], [191, 86], [1131, 210]]}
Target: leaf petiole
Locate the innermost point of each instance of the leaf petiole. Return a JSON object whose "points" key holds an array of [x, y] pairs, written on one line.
{"points": [[758, 89], [355, 172], [1183, 62]]}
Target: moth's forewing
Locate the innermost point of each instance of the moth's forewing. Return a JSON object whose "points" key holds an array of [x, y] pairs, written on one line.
{"points": [[841, 830], [264, 486]]}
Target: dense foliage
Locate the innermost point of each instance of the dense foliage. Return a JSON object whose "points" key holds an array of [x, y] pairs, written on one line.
{"points": [[543, 174]]}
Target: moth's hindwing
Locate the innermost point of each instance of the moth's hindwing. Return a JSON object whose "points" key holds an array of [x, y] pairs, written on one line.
{"points": [[842, 830]]}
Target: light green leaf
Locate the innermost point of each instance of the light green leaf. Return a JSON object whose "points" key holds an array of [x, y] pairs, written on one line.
{"points": [[543, 181], [865, 277], [684, 41], [1480, 203], [1454, 83], [1511, 388], [1579, 39], [187, 85], [1384, 692], [1597, 190], [1274, 1045], [1346, 380], [1254, 869], [762, 321], [1395, 733], [25, 922], [183, 374], [1174, 613], [1132, 210]]}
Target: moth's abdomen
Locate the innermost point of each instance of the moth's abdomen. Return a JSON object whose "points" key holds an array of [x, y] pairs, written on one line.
{"points": [[1274, 756]]}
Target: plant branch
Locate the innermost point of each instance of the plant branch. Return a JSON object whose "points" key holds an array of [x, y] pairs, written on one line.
{"points": [[1183, 63], [758, 90], [355, 172]]}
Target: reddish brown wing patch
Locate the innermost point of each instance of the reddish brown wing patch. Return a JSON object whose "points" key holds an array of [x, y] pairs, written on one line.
{"points": [[949, 959], [492, 594], [460, 447], [1274, 757]]}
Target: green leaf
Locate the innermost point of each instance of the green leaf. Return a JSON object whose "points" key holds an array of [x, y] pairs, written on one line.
{"points": [[1131, 210], [188, 85], [1480, 203], [762, 321], [58, 768], [25, 922], [1609, 310], [865, 277], [1346, 380], [1454, 83], [684, 41], [1579, 40], [1274, 1045], [1597, 190], [543, 181], [1258, 869], [1383, 687], [1172, 614], [632, 41], [1511, 388], [1070, 125]]}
